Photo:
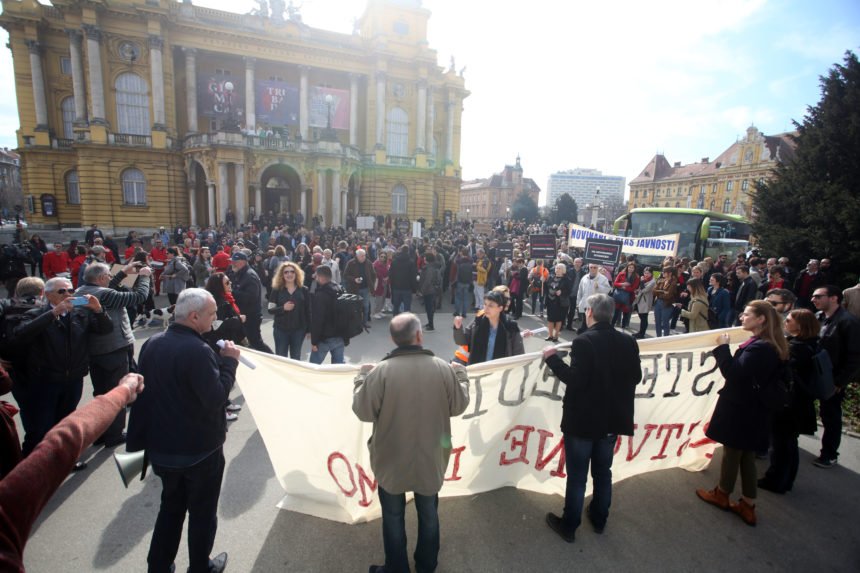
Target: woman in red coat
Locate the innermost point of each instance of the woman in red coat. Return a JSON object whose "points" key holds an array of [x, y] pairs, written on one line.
{"points": [[626, 285]]}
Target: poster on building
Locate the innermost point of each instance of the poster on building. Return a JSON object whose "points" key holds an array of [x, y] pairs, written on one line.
{"points": [[319, 108], [542, 246], [220, 96], [277, 103]]}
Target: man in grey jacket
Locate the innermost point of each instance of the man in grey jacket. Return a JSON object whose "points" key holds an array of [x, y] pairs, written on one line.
{"points": [[410, 397]]}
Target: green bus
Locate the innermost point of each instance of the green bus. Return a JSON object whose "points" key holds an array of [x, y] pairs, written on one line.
{"points": [[702, 233]]}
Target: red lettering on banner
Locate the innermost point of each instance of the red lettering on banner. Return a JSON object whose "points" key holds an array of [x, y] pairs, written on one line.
{"points": [[340, 456], [648, 429], [703, 441], [523, 444], [454, 471], [363, 480], [686, 442], [669, 429], [541, 461]]}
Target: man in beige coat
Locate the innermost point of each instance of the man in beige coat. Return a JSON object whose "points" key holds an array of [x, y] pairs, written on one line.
{"points": [[410, 397]]}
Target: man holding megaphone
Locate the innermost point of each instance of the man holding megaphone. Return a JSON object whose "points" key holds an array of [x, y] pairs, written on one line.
{"points": [[180, 423]]}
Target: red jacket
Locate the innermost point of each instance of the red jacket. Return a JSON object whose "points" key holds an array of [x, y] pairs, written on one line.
{"points": [[54, 263]]}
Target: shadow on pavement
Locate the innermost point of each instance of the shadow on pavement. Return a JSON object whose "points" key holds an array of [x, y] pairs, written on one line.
{"points": [[133, 521], [246, 476]]}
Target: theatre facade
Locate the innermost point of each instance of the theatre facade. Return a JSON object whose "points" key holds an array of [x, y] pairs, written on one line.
{"points": [[140, 113]]}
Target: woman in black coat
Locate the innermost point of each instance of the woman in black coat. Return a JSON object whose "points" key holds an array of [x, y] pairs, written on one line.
{"points": [[799, 417], [491, 324], [556, 293], [290, 303], [741, 421]]}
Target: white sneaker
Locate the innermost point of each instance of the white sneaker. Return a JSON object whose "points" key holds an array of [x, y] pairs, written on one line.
{"points": [[231, 417], [233, 407]]}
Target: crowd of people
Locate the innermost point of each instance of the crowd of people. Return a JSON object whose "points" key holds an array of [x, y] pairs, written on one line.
{"points": [[76, 312]]}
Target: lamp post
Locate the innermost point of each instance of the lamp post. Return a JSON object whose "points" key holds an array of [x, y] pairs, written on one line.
{"points": [[467, 213], [508, 212], [329, 134]]}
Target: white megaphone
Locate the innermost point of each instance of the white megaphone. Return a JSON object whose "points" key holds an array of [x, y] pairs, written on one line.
{"points": [[130, 464]]}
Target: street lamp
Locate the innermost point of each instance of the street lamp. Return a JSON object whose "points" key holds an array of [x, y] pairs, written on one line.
{"points": [[329, 134], [508, 211], [467, 213]]}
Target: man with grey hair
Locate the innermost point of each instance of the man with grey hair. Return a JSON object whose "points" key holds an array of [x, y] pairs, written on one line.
{"points": [[180, 423], [598, 406], [111, 354], [410, 397], [359, 277], [54, 342]]}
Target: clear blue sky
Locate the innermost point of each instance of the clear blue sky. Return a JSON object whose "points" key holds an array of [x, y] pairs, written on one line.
{"points": [[607, 84]]}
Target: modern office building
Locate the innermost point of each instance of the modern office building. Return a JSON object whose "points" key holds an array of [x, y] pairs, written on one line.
{"points": [[139, 113], [583, 186]]}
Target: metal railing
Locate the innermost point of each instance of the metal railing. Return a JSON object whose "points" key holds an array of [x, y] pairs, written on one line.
{"points": [[60, 143], [130, 139]]}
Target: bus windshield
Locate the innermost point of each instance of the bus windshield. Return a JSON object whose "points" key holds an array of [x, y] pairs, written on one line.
{"points": [[653, 224]]}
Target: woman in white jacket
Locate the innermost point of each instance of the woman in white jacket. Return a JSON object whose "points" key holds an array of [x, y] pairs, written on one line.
{"points": [[644, 301]]}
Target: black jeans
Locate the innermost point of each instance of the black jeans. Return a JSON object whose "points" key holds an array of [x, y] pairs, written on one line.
{"points": [[517, 305], [194, 490], [430, 307], [252, 331], [784, 456], [831, 419], [106, 370], [43, 404]]}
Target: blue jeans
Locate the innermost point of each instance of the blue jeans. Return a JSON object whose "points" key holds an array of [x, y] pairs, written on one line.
{"points": [[364, 293], [334, 345], [394, 531], [461, 298], [662, 317], [401, 296], [578, 453], [288, 343]]}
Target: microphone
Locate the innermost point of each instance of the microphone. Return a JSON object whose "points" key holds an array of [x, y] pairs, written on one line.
{"points": [[242, 359]]}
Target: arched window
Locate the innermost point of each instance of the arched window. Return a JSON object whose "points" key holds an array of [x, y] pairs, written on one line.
{"points": [[68, 108], [132, 104], [133, 187], [73, 188], [727, 206], [397, 141], [398, 200]]}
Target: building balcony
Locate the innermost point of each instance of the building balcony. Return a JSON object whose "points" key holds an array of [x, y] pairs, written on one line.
{"points": [[130, 139], [256, 142]]}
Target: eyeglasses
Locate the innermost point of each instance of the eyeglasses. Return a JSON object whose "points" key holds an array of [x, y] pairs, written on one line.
{"points": [[64, 290], [289, 272]]}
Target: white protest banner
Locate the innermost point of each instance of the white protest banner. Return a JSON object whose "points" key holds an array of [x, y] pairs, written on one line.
{"points": [[508, 436], [662, 246]]}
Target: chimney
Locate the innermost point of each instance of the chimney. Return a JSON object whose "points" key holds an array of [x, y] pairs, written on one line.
{"points": [[705, 159], [677, 164]]}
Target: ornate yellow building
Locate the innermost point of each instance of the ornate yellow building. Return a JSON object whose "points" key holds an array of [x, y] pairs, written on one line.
{"points": [[724, 185], [138, 113]]}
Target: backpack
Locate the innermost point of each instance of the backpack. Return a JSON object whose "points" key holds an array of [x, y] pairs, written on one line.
{"points": [[13, 315], [348, 316], [821, 385]]}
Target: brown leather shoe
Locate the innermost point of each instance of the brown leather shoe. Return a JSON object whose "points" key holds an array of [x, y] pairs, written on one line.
{"points": [[745, 511], [714, 496]]}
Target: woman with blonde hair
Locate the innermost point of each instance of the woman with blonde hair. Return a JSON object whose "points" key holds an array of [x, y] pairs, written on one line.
{"points": [[741, 419], [290, 303]]}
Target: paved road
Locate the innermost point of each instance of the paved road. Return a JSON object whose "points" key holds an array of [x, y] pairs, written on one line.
{"points": [[656, 523]]}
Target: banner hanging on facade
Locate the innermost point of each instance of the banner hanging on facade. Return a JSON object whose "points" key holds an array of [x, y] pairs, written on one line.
{"points": [[508, 436], [662, 246], [319, 109], [277, 103], [220, 96]]}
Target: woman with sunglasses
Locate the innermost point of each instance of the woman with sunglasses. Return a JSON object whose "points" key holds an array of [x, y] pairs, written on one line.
{"points": [[290, 304]]}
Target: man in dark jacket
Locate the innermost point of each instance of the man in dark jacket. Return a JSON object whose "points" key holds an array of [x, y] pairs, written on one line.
{"points": [[57, 357], [324, 335], [403, 278], [248, 292], [359, 278], [840, 336], [598, 405], [746, 292], [180, 423]]}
